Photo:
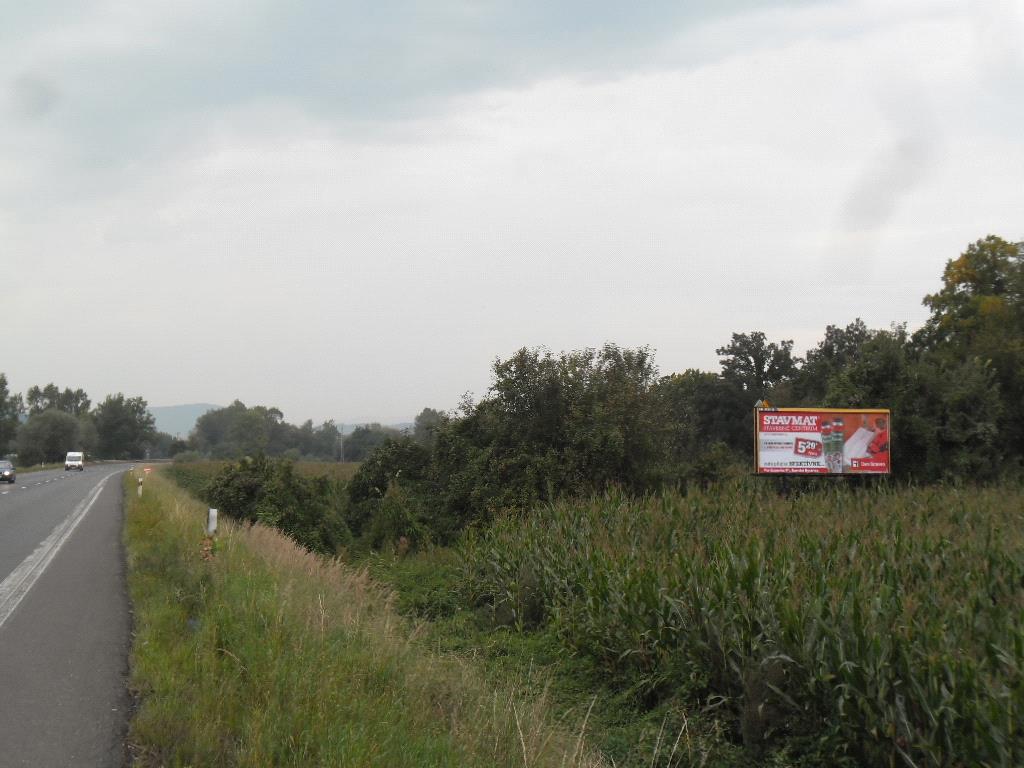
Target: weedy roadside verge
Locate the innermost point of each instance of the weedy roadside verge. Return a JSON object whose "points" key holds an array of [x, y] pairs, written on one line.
{"points": [[250, 651]]}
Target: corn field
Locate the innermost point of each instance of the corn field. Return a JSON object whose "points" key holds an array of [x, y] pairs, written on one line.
{"points": [[883, 627]]}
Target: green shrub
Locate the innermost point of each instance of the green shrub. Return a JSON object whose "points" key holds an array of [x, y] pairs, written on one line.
{"points": [[309, 509]]}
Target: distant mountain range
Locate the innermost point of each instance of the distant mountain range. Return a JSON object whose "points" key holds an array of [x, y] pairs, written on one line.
{"points": [[178, 420]]}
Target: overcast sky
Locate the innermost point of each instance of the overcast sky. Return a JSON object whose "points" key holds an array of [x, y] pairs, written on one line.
{"points": [[348, 210]]}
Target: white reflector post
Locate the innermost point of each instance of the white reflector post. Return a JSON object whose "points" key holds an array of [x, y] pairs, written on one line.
{"points": [[211, 522]]}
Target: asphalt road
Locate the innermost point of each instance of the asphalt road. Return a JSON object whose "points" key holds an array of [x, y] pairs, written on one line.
{"points": [[64, 620]]}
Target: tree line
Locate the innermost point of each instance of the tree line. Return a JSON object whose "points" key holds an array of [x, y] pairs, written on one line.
{"points": [[564, 424], [556, 424], [44, 423], [239, 430]]}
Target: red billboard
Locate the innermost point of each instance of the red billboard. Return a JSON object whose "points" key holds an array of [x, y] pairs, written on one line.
{"points": [[822, 441]]}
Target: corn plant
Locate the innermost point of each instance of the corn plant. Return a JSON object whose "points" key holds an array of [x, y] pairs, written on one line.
{"points": [[891, 622]]}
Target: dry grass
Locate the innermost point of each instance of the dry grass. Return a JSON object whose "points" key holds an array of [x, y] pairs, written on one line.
{"points": [[255, 652]]}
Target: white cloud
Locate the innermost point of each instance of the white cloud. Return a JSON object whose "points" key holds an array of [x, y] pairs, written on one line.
{"points": [[777, 171]]}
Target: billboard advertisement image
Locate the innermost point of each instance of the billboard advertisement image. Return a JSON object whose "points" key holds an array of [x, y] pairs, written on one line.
{"points": [[822, 441]]}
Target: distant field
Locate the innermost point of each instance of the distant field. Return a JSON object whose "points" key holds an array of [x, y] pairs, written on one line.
{"points": [[193, 475]]}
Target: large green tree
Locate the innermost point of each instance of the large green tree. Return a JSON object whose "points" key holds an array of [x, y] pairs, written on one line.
{"points": [[946, 413], [327, 442], [210, 434], [323, 442], [583, 414], [839, 348], [425, 426], [982, 293], [124, 427], [365, 439], [979, 313], [756, 365], [88, 437], [48, 436], [164, 446], [73, 401], [10, 411], [250, 431], [239, 430], [550, 425], [702, 411]]}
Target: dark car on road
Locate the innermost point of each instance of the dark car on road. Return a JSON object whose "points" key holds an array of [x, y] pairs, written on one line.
{"points": [[7, 472]]}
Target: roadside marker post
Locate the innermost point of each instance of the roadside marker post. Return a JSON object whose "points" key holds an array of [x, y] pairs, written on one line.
{"points": [[211, 522], [140, 487]]}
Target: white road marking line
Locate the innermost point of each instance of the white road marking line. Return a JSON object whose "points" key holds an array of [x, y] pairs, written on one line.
{"points": [[14, 588]]}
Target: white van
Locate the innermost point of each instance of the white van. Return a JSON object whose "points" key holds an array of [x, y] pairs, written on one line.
{"points": [[75, 460]]}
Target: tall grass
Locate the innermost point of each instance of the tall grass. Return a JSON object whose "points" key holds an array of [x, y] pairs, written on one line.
{"points": [[250, 651], [878, 627]]}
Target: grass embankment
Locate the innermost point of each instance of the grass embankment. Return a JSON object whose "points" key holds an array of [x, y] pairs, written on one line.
{"points": [[249, 651], [877, 627], [38, 468]]}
